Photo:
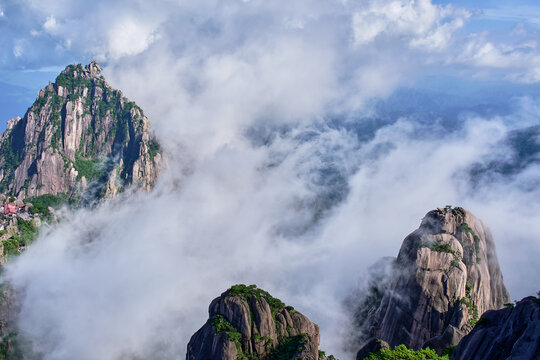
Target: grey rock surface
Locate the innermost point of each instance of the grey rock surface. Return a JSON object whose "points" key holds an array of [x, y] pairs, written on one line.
{"points": [[78, 131], [247, 322], [511, 333], [372, 346], [445, 276]]}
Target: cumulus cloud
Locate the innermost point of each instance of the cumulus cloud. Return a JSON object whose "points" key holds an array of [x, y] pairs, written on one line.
{"points": [[127, 37], [421, 23], [50, 24]]}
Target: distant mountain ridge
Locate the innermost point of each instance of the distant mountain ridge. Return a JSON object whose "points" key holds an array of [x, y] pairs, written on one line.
{"points": [[79, 131]]}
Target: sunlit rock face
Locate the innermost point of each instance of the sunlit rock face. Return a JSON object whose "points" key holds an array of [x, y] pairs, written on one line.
{"points": [[78, 132], [445, 276], [247, 322]]}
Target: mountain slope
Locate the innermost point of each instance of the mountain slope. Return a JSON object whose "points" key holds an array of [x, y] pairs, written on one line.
{"points": [[445, 276], [509, 333], [248, 323], [78, 131]]}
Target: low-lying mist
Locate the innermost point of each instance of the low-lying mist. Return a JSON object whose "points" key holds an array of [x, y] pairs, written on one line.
{"points": [[302, 215], [290, 166]]}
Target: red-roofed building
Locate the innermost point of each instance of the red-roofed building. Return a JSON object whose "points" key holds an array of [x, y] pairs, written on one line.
{"points": [[10, 209]]}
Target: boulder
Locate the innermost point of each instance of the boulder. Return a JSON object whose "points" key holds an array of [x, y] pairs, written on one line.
{"points": [[372, 346]]}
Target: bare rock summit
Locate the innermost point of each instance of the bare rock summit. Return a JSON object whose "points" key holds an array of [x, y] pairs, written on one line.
{"points": [[445, 276], [248, 323]]}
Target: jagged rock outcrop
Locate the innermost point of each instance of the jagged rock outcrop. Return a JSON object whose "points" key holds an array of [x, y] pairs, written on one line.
{"points": [[445, 276], [509, 333], [248, 323], [372, 346], [78, 131]]}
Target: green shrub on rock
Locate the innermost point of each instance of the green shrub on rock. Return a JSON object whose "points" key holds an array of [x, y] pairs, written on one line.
{"points": [[401, 352]]}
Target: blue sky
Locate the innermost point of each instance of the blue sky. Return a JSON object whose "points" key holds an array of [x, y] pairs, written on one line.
{"points": [[34, 47], [34, 50]]}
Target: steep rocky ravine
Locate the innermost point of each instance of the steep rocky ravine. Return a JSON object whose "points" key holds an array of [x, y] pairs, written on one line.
{"points": [[78, 132], [445, 276]]}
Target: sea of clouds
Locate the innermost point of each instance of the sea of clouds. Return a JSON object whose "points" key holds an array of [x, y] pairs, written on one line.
{"points": [[283, 169]]}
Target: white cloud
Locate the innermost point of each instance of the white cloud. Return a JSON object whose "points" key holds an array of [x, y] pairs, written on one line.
{"points": [[530, 77], [518, 61], [18, 49], [50, 25], [129, 37], [515, 13], [233, 207], [421, 23], [117, 276]]}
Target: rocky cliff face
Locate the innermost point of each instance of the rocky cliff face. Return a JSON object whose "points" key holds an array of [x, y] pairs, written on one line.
{"points": [[509, 333], [445, 276], [78, 132], [248, 323]]}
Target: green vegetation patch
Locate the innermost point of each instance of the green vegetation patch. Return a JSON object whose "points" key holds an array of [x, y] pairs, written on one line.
{"points": [[28, 231], [11, 245], [41, 204], [222, 325], [442, 248], [25, 236], [12, 159], [472, 308], [322, 355], [247, 292], [448, 351], [11, 348], [153, 149], [89, 168], [71, 78], [438, 247], [446, 248], [401, 352], [289, 348]]}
